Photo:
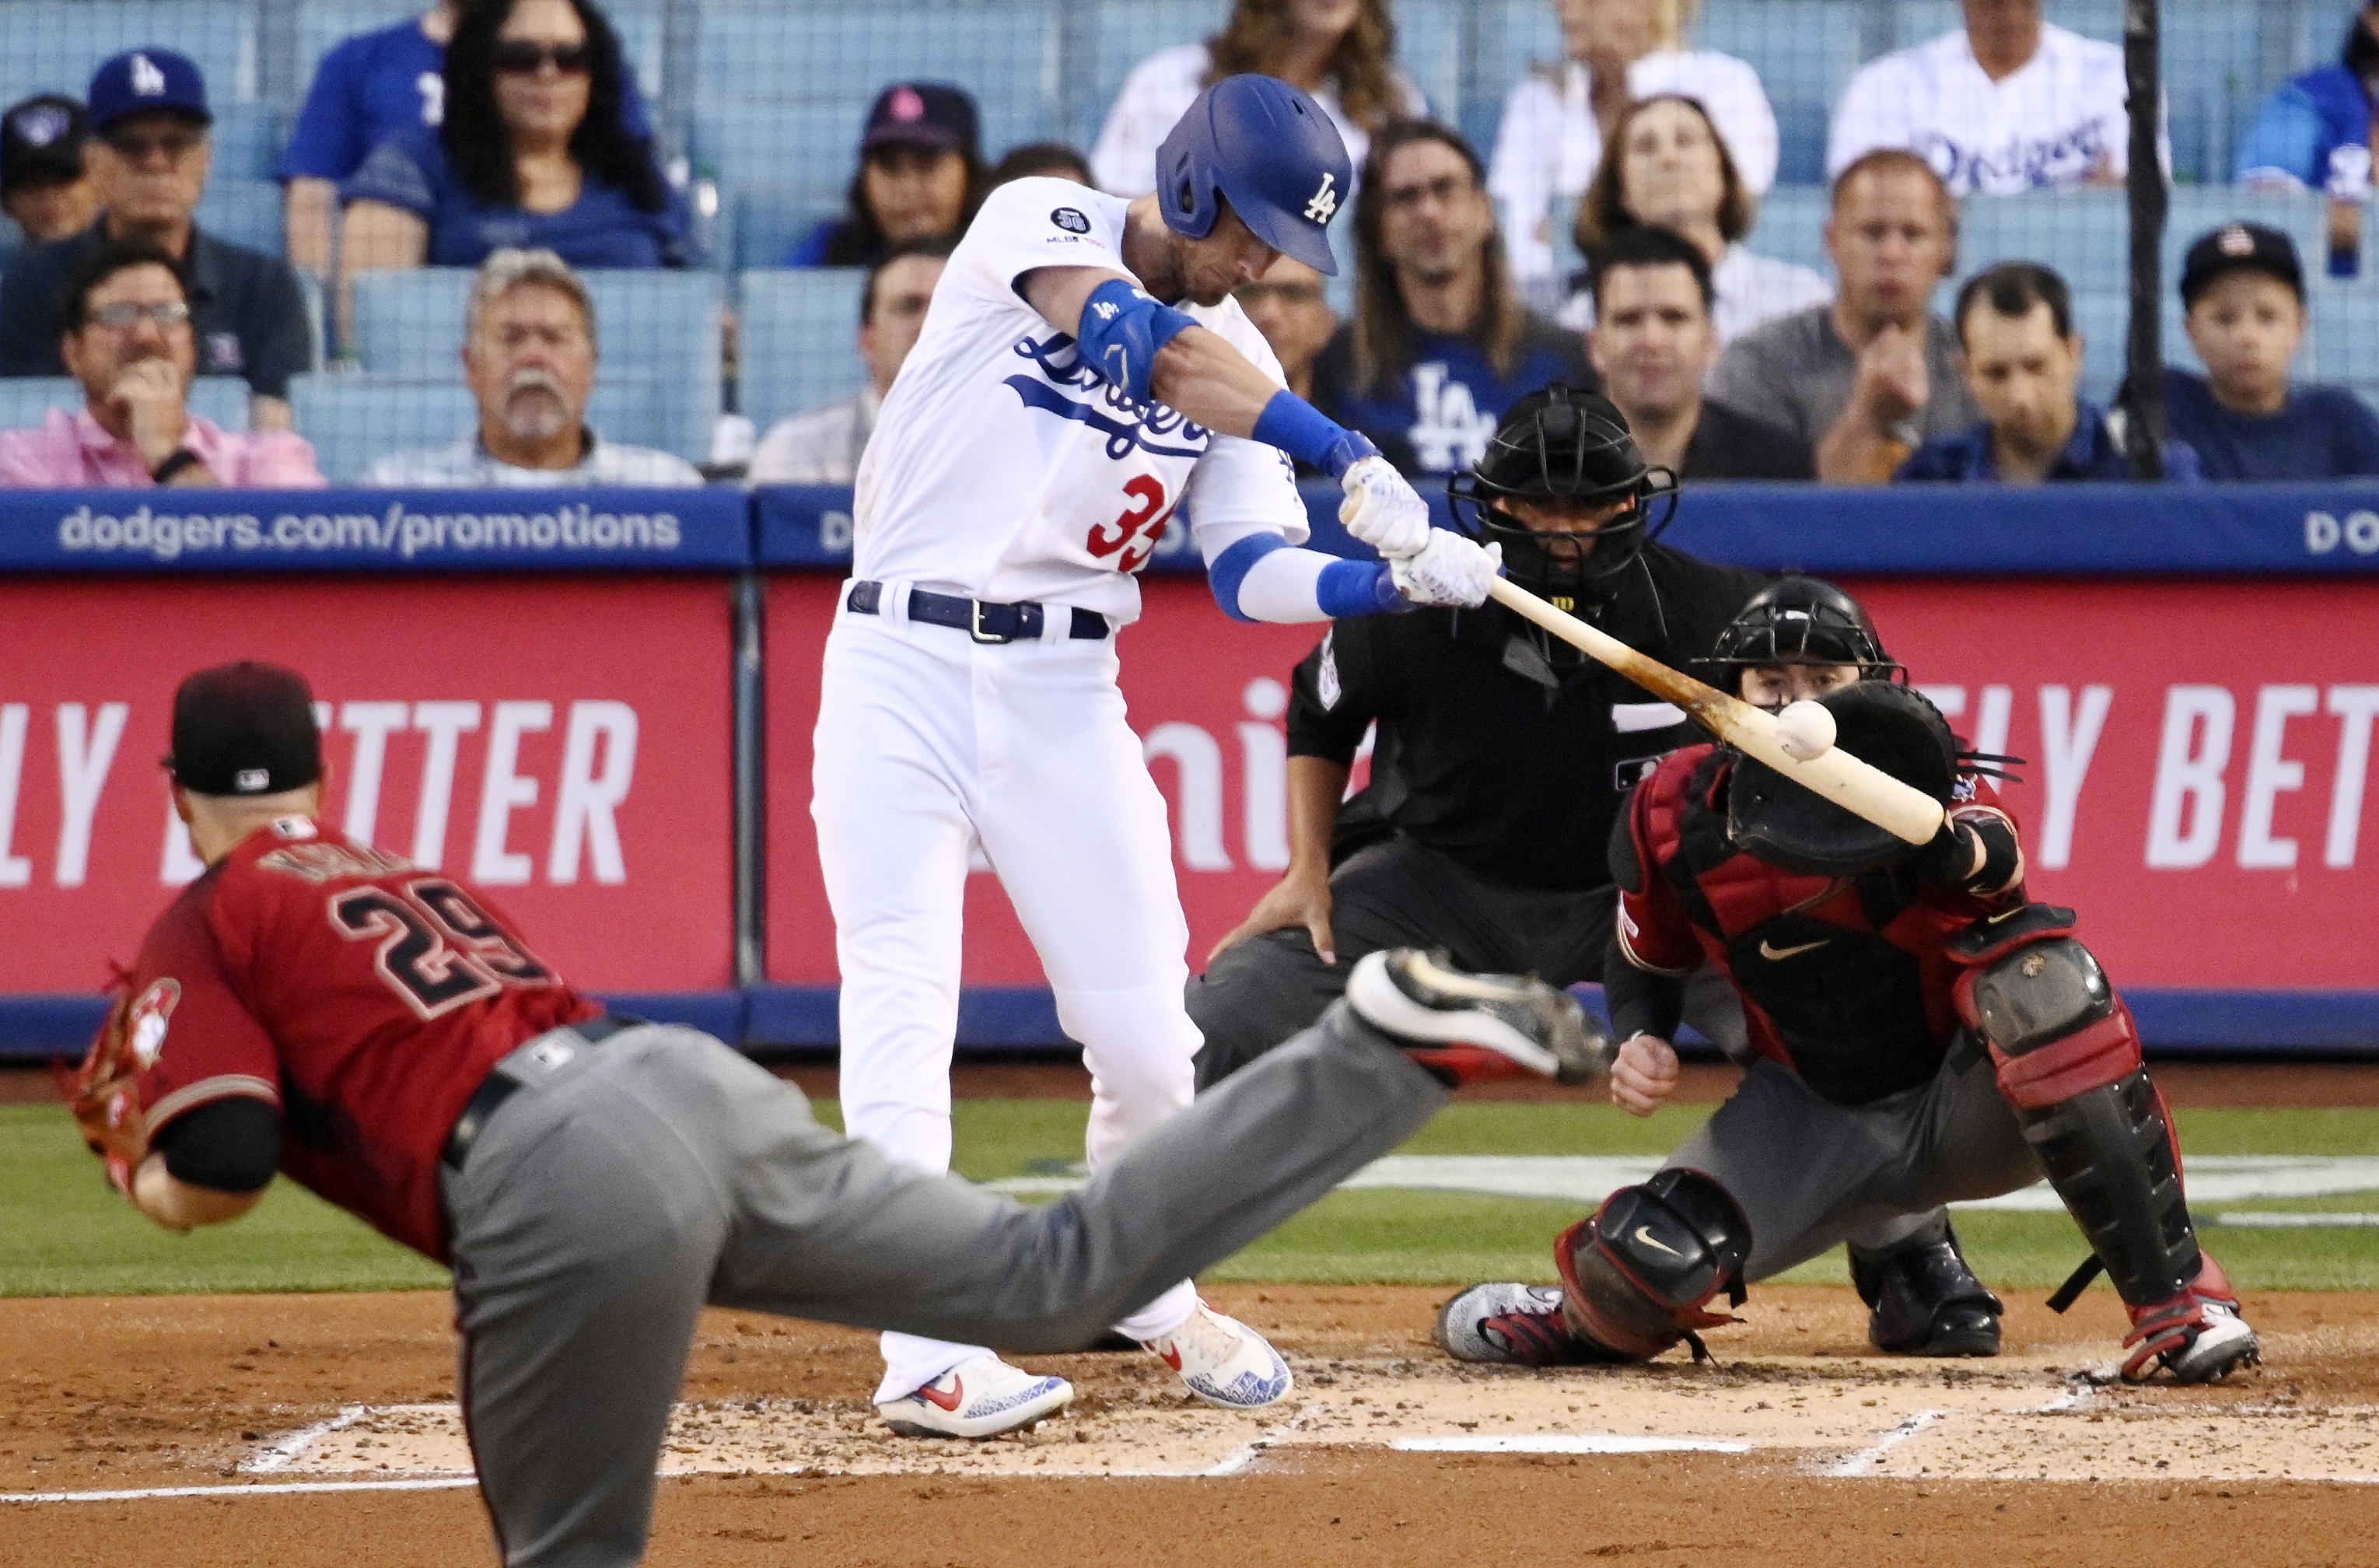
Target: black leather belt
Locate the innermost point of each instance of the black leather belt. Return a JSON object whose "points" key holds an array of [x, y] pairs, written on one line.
{"points": [[983, 622], [497, 1088]]}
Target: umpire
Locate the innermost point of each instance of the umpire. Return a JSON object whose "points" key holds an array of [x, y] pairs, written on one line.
{"points": [[1503, 755]]}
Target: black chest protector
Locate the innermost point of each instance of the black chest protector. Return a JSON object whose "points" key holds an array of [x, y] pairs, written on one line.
{"points": [[1847, 1000]]}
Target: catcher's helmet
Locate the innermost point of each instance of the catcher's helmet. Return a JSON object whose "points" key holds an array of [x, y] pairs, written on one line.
{"points": [[1797, 619], [1269, 151], [1787, 824], [1563, 444]]}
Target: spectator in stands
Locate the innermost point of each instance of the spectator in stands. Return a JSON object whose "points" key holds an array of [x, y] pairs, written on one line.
{"points": [[1051, 160], [366, 90], [130, 338], [2243, 289], [1441, 343], [2006, 104], [1672, 170], [1291, 306], [529, 352], [823, 446], [43, 186], [1343, 52], [2314, 133], [1654, 339], [533, 149], [148, 158], [1557, 122], [1866, 379], [921, 177], [2022, 360]]}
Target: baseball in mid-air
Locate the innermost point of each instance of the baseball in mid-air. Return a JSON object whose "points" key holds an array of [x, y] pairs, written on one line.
{"points": [[1805, 731]]}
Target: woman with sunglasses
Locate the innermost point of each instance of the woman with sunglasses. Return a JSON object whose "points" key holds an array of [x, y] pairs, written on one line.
{"points": [[533, 151]]}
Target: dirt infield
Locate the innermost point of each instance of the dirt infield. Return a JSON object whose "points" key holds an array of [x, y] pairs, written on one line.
{"points": [[1793, 1444]]}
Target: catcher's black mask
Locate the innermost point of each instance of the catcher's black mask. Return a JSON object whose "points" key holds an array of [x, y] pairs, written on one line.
{"points": [[1796, 619], [1563, 444]]}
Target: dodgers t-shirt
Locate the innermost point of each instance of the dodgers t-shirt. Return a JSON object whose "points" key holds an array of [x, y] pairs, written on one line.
{"points": [[381, 84], [2321, 433], [602, 228], [1438, 415]]}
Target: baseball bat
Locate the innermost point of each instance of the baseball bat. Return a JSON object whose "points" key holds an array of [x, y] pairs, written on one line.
{"points": [[1855, 786]]}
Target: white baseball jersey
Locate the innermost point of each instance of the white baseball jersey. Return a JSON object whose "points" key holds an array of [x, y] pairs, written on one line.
{"points": [[2054, 121], [1004, 469]]}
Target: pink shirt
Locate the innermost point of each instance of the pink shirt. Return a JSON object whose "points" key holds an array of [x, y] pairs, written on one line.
{"points": [[71, 450]]}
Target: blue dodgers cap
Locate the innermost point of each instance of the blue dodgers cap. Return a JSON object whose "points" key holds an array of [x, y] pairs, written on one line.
{"points": [[146, 82], [1273, 152]]}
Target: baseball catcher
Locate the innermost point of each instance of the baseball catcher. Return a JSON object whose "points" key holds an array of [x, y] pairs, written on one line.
{"points": [[1925, 1035]]}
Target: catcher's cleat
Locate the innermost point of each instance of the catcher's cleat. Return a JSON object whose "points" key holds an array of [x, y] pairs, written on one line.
{"points": [[2198, 1336], [1511, 1324], [1470, 1028], [1926, 1302]]}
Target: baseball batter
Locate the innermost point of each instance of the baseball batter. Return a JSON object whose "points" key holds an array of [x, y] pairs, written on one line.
{"points": [[1927, 1036], [386, 1037], [1082, 376]]}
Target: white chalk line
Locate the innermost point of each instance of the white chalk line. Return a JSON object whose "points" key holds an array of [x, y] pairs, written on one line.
{"points": [[1568, 1442], [282, 1455], [269, 1489], [1866, 1459]]}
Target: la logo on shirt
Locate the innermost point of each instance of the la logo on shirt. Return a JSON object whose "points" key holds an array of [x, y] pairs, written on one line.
{"points": [[1449, 429]]}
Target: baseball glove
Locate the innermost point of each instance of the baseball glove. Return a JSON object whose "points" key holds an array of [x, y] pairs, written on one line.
{"points": [[104, 1093]]}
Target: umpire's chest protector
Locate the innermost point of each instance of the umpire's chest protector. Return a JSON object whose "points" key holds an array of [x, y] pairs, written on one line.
{"points": [[1842, 979]]}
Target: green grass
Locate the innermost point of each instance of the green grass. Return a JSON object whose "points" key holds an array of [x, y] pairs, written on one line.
{"points": [[63, 1233]]}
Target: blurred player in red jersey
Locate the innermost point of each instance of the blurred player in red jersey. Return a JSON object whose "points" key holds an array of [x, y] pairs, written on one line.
{"points": [[385, 1037]]}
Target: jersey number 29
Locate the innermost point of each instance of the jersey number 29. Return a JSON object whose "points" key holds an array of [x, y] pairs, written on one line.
{"points": [[439, 948], [1131, 538]]}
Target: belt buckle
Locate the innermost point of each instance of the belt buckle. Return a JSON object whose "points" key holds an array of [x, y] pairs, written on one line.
{"points": [[974, 626]]}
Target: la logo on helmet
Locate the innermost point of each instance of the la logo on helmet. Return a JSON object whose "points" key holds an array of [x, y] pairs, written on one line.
{"points": [[1325, 205]]}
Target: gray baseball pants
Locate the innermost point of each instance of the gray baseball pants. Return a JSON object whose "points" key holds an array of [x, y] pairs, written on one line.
{"points": [[629, 1184], [1401, 894], [1811, 1174]]}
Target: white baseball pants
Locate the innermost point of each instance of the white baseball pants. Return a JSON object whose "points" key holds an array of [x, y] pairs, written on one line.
{"points": [[929, 744]]}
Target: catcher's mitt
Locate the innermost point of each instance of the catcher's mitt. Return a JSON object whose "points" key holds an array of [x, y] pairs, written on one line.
{"points": [[104, 1092]]}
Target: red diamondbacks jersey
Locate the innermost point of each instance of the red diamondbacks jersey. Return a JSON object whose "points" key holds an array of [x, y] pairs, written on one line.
{"points": [[364, 997]]}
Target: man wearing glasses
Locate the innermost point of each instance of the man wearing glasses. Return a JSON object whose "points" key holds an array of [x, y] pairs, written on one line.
{"points": [[1441, 343], [127, 337], [148, 157]]}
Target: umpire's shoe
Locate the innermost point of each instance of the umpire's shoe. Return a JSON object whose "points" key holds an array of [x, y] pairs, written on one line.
{"points": [[1469, 1027], [1925, 1301]]}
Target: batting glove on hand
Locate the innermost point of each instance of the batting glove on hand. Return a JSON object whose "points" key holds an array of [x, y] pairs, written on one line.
{"points": [[1448, 570], [1383, 511]]}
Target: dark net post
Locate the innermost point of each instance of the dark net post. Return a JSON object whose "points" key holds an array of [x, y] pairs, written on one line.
{"points": [[2143, 367]]}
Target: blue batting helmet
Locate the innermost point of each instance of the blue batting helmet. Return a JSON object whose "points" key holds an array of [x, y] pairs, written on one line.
{"points": [[1272, 152]]}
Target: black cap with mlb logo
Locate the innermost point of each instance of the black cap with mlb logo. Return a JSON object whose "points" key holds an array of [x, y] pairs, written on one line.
{"points": [[2239, 247], [244, 729]]}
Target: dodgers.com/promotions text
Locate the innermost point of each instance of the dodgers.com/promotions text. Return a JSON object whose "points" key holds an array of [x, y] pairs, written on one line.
{"points": [[399, 532]]}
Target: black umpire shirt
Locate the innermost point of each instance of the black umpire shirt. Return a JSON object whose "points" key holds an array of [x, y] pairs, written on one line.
{"points": [[1500, 748], [247, 314]]}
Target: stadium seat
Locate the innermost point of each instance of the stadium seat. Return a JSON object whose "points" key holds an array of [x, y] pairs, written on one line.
{"points": [[245, 211], [54, 45], [770, 220], [799, 341], [830, 57], [247, 140], [663, 325], [353, 420], [26, 400], [1128, 32], [1792, 225]]}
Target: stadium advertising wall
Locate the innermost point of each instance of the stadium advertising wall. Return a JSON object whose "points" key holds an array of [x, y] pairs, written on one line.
{"points": [[2195, 784], [564, 741]]}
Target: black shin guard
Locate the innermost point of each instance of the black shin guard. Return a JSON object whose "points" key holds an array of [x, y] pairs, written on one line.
{"points": [[2109, 1153]]}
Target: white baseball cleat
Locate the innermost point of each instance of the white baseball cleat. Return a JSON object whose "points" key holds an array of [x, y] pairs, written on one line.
{"points": [[980, 1397], [1224, 1361], [1473, 1026]]}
